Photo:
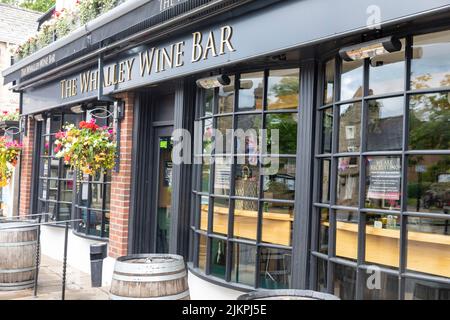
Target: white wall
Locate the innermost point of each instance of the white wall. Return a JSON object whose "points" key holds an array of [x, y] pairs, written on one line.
{"points": [[78, 251], [204, 290]]}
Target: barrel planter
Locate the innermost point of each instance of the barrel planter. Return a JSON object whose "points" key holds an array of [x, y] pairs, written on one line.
{"points": [[150, 277], [17, 255], [287, 294]]}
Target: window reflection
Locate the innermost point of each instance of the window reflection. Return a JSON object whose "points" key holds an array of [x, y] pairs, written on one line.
{"points": [[385, 124], [347, 234], [329, 82], [251, 91], [321, 275], [387, 72], [277, 223], [327, 130], [286, 126], [388, 289], [245, 219], [279, 178], [349, 127], [429, 183], [344, 282], [383, 239], [218, 257], [429, 127], [204, 207], [208, 102], [429, 246], [323, 232], [426, 290], [347, 193], [206, 172], [325, 167], [247, 179], [202, 252], [383, 182], [248, 134], [226, 97], [221, 208], [283, 89], [430, 65], [224, 135], [208, 136], [275, 268], [244, 264], [351, 80]]}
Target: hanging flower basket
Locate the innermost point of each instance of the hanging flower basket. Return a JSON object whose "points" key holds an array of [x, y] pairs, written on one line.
{"points": [[88, 148], [9, 155]]}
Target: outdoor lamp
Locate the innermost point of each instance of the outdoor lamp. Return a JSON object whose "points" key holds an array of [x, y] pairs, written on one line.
{"points": [[77, 109], [370, 49], [214, 82]]}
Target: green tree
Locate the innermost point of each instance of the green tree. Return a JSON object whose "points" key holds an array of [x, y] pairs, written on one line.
{"points": [[37, 5]]}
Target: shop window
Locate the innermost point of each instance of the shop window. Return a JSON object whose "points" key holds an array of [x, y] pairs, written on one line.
{"points": [[323, 231], [349, 127], [244, 264], [383, 240], [202, 252], [252, 193], [429, 127], [344, 282], [351, 80], [329, 74], [322, 266], [347, 189], [375, 148], [347, 234], [327, 130], [94, 195], [385, 124], [430, 65], [283, 89], [56, 180], [426, 290], [383, 288], [275, 268], [387, 72], [429, 246], [429, 184]]}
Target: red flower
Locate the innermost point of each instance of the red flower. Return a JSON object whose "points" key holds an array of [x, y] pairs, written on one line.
{"points": [[66, 158]]}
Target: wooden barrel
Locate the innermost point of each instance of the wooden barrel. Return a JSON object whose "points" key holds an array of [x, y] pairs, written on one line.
{"points": [[17, 255], [150, 277]]}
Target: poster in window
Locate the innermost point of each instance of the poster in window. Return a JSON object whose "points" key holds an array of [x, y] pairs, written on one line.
{"points": [[168, 173], [384, 178]]}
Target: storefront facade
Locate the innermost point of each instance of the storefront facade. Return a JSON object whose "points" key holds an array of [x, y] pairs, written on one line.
{"points": [[361, 182]]}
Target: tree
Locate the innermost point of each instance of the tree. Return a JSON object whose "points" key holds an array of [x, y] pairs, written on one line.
{"points": [[36, 5]]}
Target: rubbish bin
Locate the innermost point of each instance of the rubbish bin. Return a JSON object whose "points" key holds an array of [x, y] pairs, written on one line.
{"points": [[98, 253], [287, 294]]}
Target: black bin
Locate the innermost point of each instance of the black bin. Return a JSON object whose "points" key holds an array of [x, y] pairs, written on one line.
{"points": [[98, 253]]}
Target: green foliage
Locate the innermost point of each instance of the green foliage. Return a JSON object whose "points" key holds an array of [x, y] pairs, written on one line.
{"points": [[38, 5]]}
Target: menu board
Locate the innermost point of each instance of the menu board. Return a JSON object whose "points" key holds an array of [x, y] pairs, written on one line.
{"points": [[384, 178]]}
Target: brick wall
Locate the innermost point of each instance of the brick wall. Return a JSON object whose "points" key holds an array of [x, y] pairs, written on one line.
{"points": [[121, 184], [25, 167]]}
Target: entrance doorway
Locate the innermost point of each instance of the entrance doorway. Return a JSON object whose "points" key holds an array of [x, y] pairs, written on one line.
{"points": [[163, 185]]}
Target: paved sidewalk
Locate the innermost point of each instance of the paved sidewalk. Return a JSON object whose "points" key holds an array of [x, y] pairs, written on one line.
{"points": [[78, 285]]}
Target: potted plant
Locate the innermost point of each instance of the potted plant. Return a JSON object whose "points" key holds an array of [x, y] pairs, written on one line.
{"points": [[87, 148], [9, 155]]}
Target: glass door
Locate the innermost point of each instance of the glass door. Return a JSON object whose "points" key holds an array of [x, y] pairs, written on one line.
{"points": [[163, 181]]}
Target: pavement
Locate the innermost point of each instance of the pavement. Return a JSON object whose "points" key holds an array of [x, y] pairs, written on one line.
{"points": [[78, 285]]}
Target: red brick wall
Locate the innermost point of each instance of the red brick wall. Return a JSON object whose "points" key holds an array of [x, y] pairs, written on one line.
{"points": [[25, 167], [121, 184]]}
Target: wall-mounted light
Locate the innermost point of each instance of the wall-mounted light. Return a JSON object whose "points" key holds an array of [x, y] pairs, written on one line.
{"points": [[214, 82], [370, 49], [39, 117], [77, 109]]}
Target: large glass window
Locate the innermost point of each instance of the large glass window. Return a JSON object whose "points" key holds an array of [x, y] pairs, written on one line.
{"points": [[246, 182], [384, 173], [56, 179]]}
